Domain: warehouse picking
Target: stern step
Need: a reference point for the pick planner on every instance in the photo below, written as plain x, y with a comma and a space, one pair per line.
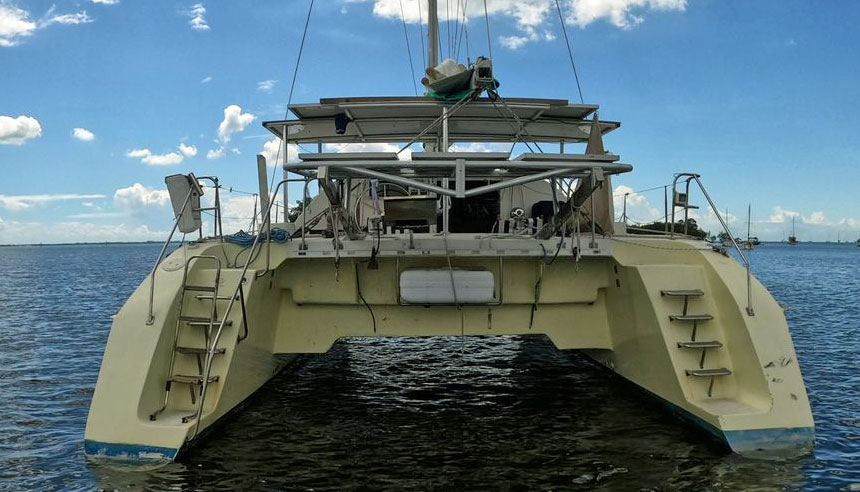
198, 380
682, 293
199, 351
690, 317
201, 321
200, 288
708, 373
700, 345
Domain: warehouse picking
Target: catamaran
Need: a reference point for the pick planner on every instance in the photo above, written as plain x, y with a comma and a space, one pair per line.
430, 241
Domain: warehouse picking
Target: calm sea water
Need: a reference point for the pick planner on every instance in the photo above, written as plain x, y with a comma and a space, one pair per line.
504, 413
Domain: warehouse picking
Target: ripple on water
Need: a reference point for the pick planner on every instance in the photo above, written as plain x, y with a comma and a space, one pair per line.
507, 413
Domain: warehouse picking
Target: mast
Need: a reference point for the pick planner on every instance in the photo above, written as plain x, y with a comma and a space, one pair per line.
749, 219
433, 33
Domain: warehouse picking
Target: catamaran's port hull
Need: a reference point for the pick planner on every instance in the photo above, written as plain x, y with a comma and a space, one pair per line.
609, 303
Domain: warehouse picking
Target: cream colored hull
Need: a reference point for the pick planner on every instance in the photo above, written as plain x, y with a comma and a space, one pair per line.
608, 304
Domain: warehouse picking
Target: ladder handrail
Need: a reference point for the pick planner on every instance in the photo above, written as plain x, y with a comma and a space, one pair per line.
150, 319
745, 260
210, 353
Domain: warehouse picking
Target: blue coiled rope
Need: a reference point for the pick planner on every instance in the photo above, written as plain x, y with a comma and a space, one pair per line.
245, 239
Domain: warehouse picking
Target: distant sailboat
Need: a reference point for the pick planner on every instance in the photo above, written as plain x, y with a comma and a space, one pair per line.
749, 243
792, 240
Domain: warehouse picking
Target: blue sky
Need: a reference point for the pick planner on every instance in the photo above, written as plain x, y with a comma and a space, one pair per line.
759, 97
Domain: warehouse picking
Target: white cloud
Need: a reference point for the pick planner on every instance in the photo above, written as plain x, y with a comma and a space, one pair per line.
620, 13
137, 196
147, 157
849, 223
97, 215
13, 232
480, 147
274, 153
198, 21
513, 42
16, 131
781, 215
816, 218
237, 212
135, 153
67, 19
216, 153
20, 202
188, 150
16, 23
167, 159
83, 134
105, 2
266, 85
528, 15
639, 209
369, 147
234, 121
206, 80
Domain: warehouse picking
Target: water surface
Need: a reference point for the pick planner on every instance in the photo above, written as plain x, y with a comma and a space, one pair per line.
507, 413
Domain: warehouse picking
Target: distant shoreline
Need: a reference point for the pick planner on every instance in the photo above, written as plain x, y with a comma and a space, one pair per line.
103, 243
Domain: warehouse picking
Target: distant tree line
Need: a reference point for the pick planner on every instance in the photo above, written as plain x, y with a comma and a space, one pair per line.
678, 227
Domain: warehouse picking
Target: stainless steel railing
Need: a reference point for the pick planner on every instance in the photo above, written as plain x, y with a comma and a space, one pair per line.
696, 177
150, 318
218, 232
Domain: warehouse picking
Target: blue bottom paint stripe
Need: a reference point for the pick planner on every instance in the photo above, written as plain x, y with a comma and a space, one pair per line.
131, 452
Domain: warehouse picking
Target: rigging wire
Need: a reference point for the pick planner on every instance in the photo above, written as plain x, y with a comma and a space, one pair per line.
642, 191
456, 27
569, 50
290, 100
421, 30
408, 49
463, 28
448, 26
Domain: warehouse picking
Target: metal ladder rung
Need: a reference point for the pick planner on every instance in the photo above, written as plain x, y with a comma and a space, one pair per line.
682, 293
708, 373
199, 288
198, 318
700, 345
209, 297
201, 321
199, 351
690, 317
206, 323
198, 380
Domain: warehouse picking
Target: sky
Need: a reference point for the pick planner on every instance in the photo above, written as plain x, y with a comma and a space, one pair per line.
101, 99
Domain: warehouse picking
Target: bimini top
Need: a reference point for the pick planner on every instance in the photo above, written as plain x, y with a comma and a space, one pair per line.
402, 119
